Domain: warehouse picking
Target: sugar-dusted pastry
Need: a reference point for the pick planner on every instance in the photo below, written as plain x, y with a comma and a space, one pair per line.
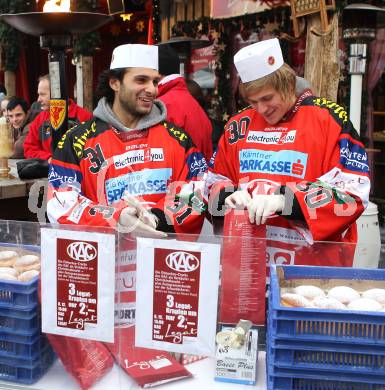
7, 277
343, 294
309, 292
365, 304
27, 275
8, 270
294, 300
27, 263
8, 258
378, 294
328, 303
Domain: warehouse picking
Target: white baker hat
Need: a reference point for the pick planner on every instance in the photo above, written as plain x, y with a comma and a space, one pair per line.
258, 60
135, 56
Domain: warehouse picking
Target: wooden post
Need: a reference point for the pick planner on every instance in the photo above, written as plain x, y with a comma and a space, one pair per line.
321, 58
10, 82
84, 82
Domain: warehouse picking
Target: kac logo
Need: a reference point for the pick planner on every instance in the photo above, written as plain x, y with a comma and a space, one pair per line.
182, 262
81, 251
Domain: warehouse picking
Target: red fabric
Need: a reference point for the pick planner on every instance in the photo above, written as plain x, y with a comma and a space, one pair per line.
22, 89
185, 112
38, 141
146, 366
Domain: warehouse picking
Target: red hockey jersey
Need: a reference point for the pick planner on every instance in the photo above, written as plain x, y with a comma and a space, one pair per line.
94, 164
315, 157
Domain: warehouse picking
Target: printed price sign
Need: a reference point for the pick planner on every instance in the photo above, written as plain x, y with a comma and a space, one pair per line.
77, 276
176, 296
78, 282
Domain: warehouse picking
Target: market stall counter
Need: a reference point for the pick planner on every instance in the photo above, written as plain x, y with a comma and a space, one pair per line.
124, 312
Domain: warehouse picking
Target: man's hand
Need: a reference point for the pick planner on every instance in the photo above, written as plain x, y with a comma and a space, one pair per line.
238, 199
142, 213
263, 206
131, 223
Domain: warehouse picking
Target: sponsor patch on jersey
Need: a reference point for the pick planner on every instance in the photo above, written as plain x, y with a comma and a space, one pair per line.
196, 164
284, 162
271, 138
138, 157
59, 175
212, 159
145, 182
353, 156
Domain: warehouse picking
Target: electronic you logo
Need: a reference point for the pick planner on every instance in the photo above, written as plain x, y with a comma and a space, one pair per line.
271, 137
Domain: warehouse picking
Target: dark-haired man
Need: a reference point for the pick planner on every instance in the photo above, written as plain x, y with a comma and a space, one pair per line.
127, 165
19, 117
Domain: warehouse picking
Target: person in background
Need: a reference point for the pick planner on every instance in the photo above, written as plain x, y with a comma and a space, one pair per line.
38, 141
127, 166
19, 117
3, 106
182, 108
295, 163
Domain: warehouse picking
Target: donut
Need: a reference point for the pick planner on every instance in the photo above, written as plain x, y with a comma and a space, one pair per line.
309, 292
8, 258
343, 294
294, 300
378, 294
27, 275
27, 263
365, 304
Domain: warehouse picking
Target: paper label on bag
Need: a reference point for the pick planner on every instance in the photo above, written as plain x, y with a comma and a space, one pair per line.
77, 275
176, 297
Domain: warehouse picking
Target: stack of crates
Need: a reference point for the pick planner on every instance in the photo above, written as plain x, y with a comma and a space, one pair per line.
25, 354
316, 349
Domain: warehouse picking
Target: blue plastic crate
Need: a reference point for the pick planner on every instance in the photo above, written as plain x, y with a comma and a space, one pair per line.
25, 347
345, 326
22, 322
26, 371
16, 294
293, 383
19, 295
345, 358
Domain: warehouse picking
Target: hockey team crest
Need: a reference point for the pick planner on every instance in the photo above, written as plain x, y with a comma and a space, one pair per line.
57, 112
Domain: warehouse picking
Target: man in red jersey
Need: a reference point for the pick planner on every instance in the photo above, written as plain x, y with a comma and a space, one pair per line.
182, 108
294, 162
39, 139
127, 165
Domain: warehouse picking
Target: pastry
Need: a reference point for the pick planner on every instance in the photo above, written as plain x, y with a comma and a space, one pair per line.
8, 258
309, 292
9, 271
378, 294
343, 294
27, 263
328, 303
294, 300
7, 277
27, 275
365, 304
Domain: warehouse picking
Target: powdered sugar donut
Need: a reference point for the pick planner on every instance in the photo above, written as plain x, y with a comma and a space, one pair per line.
294, 300
328, 303
8, 258
309, 292
27, 263
344, 294
378, 294
365, 304
28, 275
8, 270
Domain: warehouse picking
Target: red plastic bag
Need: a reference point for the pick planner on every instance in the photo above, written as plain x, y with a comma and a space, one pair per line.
147, 367
86, 360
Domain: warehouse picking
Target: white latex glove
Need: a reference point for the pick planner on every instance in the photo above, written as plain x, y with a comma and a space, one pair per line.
141, 212
238, 199
263, 206
131, 223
